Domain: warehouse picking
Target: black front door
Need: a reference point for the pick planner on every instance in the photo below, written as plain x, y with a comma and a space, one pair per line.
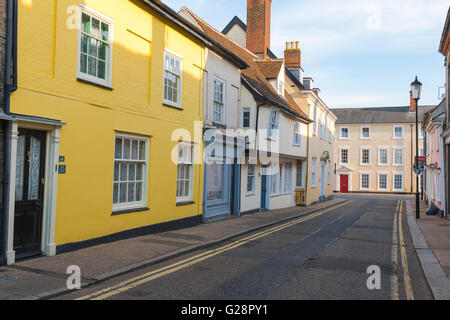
29, 193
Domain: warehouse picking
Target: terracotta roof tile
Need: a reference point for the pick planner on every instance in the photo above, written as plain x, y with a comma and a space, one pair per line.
270, 67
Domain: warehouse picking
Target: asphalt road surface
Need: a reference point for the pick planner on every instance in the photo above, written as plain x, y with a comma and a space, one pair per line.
331, 254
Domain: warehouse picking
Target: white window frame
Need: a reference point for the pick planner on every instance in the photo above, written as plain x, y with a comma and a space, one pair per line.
314, 173
302, 185
361, 157
393, 157
275, 178
348, 133
329, 172
253, 177
340, 156
393, 181
173, 55
190, 196
287, 186
244, 110
315, 126
379, 157
107, 82
223, 102
273, 128
361, 181
421, 131
379, 180
297, 134
362, 130
135, 204
393, 133
280, 88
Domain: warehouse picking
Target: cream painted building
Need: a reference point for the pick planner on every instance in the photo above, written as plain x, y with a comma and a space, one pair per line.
375, 149
321, 132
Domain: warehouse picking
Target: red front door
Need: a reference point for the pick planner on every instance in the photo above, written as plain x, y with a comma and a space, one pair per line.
344, 183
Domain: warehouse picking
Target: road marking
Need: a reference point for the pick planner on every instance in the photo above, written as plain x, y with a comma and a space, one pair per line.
394, 277
407, 279
147, 277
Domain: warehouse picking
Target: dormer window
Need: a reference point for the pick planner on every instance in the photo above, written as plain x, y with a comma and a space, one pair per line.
280, 87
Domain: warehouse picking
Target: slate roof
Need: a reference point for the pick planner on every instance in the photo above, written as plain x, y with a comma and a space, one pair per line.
378, 115
233, 22
439, 110
253, 76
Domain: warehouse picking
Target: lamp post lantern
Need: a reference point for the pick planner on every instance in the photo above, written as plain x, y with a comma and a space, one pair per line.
416, 90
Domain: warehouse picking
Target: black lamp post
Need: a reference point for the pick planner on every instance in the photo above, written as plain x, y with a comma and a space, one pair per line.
416, 90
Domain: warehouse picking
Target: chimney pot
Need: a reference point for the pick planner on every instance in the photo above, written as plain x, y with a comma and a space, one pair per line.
293, 56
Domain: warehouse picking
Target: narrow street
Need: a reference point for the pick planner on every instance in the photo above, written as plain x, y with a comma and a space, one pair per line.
323, 255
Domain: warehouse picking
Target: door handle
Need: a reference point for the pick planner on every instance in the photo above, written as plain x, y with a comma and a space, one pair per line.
43, 181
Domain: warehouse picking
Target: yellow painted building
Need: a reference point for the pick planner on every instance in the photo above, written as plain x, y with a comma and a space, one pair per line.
105, 94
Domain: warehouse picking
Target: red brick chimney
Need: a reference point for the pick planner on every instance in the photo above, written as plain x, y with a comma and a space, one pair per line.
258, 26
293, 55
412, 103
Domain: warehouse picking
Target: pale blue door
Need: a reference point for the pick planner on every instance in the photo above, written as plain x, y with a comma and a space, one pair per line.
217, 197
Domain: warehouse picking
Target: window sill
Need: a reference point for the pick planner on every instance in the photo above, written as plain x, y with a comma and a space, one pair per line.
219, 125
124, 211
171, 105
95, 84
185, 203
280, 194
250, 194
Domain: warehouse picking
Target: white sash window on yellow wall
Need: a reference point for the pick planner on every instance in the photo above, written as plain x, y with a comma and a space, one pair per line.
185, 173
173, 66
130, 172
95, 47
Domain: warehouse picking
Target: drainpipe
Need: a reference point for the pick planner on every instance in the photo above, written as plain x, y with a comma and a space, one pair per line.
9, 87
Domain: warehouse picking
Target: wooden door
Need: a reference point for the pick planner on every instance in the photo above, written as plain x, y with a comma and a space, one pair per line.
344, 183
29, 193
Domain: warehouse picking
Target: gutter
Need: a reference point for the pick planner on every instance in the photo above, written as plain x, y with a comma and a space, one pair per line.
9, 87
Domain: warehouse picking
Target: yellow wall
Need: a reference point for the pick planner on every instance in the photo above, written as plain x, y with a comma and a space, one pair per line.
48, 88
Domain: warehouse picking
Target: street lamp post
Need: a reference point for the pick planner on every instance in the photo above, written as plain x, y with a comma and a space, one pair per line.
416, 90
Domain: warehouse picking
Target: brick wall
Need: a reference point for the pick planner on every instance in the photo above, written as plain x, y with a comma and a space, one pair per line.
293, 55
258, 26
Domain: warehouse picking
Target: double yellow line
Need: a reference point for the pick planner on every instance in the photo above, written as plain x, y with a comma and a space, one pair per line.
397, 235
147, 277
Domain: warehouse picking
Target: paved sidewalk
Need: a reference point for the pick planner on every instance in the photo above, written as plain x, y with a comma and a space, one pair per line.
44, 277
431, 238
